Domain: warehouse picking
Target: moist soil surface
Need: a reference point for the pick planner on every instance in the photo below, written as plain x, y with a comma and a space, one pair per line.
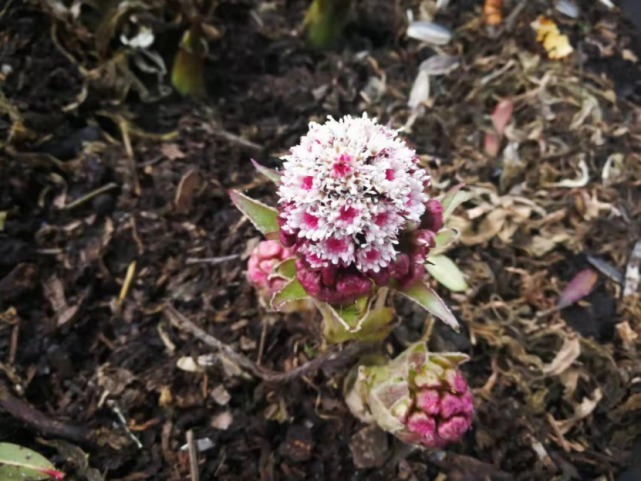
114, 204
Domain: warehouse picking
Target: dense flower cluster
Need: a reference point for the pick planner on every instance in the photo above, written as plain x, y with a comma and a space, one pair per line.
353, 207
420, 397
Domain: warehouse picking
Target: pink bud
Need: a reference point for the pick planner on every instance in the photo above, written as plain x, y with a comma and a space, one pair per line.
267, 255
452, 430
433, 217
432, 416
332, 284
353, 285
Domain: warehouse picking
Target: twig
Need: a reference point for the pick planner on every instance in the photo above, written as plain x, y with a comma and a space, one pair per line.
126, 285
89, 196
29, 415
236, 139
334, 358
193, 456
510, 21
212, 261
121, 418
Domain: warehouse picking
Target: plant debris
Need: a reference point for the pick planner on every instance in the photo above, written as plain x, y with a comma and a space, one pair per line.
113, 206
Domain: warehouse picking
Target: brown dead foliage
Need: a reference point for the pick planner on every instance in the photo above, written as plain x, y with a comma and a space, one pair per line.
113, 202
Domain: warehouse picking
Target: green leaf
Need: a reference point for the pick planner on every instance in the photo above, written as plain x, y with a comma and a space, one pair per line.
271, 174
429, 300
373, 327
293, 291
19, 463
445, 238
262, 216
325, 20
452, 199
285, 269
188, 71
356, 321
445, 271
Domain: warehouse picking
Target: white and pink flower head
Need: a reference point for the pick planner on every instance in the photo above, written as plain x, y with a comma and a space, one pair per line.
354, 209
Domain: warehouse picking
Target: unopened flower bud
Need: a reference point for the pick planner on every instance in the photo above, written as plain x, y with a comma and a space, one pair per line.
433, 218
420, 397
267, 255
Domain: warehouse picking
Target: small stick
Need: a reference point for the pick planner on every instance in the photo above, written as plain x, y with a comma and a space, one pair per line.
13, 346
193, 456
116, 410
212, 261
89, 196
261, 344
30, 416
131, 270
332, 358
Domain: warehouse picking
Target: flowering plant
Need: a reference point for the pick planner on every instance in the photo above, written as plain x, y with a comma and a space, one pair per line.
420, 397
355, 219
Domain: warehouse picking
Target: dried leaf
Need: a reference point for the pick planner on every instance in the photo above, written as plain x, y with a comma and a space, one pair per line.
491, 144
606, 269
569, 352
489, 227
502, 115
632, 276
172, 151
429, 32
582, 411
493, 12
580, 181
439, 64
626, 334
187, 189
420, 92
567, 8
222, 420
580, 286
555, 44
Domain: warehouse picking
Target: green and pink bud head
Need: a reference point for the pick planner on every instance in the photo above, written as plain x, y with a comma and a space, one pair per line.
420, 397
266, 256
353, 207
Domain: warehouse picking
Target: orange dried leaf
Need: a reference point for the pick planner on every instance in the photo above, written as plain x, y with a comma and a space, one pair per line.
493, 12
554, 42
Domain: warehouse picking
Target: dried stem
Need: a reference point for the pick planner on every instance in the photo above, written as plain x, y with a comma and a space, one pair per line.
332, 359
29, 415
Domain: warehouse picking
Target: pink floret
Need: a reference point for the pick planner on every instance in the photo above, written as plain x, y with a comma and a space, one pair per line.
453, 429
267, 255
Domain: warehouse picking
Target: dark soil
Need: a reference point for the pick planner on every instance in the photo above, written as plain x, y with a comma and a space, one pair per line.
73, 350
